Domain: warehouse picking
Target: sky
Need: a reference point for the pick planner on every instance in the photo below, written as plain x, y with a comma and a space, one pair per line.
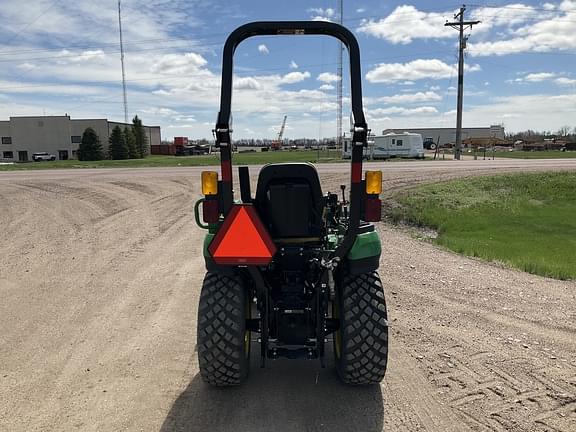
63, 56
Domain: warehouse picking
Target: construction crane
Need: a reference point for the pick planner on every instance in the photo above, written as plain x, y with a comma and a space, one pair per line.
277, 143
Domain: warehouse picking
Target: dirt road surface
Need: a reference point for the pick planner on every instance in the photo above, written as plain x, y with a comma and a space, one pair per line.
100, 273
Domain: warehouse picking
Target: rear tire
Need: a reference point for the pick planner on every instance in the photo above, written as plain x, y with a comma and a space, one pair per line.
223, 342
361, 343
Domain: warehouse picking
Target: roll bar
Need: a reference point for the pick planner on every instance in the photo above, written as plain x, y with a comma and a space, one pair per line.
359, 132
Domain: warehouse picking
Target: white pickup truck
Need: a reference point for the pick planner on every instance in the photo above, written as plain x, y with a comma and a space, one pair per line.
43, 156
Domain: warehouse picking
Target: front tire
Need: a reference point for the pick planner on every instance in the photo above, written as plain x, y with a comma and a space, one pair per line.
223, 342
361, 343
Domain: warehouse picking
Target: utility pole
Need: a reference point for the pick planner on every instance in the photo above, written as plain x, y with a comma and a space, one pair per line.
459, 25
122, 61
339, 87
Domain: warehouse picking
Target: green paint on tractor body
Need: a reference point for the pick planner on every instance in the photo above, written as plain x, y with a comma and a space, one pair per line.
366, 245
207, 240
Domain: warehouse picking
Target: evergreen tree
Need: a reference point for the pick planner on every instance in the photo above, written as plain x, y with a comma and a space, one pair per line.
90, 147
140, 137
133, 152
117, 148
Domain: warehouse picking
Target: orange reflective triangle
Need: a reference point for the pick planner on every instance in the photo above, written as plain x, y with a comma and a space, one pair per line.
242, 239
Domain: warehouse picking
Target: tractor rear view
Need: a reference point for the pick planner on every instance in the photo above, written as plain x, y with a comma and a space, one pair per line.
293, 264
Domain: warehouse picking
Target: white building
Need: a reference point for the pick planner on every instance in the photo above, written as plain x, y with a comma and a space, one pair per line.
57, 135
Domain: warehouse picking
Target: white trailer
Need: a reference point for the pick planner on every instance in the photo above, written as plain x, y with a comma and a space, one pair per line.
407, 145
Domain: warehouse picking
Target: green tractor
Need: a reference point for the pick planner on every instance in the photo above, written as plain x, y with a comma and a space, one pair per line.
292, 264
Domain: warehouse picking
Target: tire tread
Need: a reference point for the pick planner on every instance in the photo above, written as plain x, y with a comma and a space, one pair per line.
364, 330
221, 327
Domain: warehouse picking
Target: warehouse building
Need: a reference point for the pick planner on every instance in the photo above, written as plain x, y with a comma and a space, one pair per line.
57, 135
448, 135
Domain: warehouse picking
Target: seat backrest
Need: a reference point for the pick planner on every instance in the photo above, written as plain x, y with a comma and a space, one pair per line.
289, 200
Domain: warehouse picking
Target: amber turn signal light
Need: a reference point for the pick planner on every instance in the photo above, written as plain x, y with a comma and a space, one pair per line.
373, 182
209, 183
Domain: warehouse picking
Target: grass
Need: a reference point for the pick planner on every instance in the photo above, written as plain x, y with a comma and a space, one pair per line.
534, 154
523, 220
246, 158
251, 158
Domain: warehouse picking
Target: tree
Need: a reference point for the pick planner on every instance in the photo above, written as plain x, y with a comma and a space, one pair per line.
564, 131
140, 137
131, 143
117, 148
90, 148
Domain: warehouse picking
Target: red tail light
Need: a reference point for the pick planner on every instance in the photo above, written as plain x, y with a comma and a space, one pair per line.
210, 212
373, 209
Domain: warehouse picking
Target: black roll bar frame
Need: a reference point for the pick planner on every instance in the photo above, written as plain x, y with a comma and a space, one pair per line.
359, 131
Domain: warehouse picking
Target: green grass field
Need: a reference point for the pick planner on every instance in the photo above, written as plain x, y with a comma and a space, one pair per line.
252, 158
525, 220
246, 158
535, 154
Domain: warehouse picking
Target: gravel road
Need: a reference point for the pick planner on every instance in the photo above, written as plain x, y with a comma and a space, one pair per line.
100, 272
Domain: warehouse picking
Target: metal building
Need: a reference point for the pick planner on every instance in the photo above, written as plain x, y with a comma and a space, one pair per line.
57, 135
448, 135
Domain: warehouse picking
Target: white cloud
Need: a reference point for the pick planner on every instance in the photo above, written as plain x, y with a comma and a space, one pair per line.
544, 76
293, 65
329, 12
403, 111
294, 77
520, 27
84, 56
360, 10
407, 23
160, 111
178, 64
326, 87
553, 31
321, 14
568, 6
321, 18
91, 55
525, 112
509, 15
263, 49
415, 70
247, 83
26, 66
323, 107
411, 97
565, 81
328, 77
538, 77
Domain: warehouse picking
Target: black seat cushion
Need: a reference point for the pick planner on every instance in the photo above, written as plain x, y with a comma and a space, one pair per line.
289, 200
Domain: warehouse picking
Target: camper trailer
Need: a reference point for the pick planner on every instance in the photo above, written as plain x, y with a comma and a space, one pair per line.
406, 145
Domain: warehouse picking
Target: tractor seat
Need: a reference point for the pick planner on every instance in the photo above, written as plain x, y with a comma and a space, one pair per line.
289, 202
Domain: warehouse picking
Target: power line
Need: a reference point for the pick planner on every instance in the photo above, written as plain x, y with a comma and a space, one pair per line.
516, 7
220, 41
205, 42
27, 26
460, 25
